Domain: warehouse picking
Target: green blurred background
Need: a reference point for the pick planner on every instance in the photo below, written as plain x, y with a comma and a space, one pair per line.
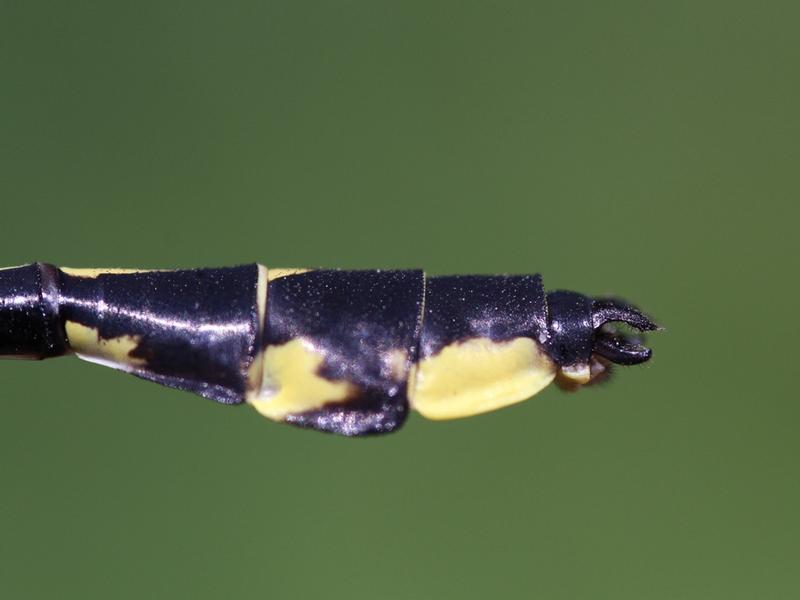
644, 149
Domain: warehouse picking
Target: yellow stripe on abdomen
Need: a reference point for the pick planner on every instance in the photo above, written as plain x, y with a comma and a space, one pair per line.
94, 273
278, 272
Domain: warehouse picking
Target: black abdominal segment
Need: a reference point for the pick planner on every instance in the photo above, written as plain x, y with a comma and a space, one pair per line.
29, 321
194, 330
359, 321
496, 307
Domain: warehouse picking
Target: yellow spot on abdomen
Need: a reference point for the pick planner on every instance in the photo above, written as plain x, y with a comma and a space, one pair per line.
477, 376
292, 383
113, 352
396, 364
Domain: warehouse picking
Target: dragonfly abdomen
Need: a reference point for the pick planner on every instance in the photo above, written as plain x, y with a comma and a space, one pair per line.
348, 352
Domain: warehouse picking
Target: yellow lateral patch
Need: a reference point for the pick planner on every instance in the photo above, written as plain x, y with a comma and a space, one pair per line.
395, 365
114, 352
292, 384
277, 273
479, 375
